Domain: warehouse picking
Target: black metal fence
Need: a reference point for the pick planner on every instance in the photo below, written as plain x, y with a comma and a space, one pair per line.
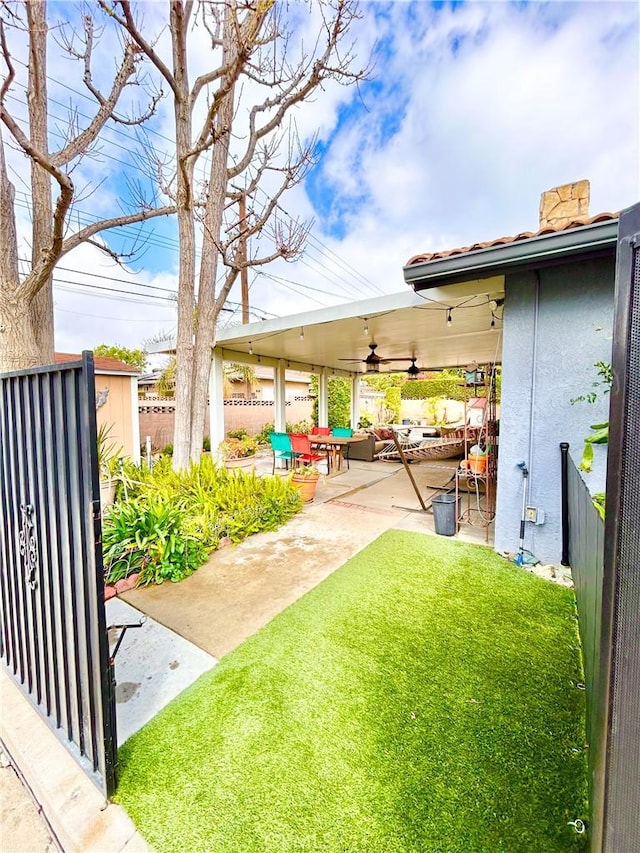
617, 796
53, 637
605, 561
586, 557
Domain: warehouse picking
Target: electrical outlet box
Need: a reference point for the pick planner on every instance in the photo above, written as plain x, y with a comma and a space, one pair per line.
534, 514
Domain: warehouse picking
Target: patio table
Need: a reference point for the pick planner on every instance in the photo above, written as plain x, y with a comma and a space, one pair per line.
334, 446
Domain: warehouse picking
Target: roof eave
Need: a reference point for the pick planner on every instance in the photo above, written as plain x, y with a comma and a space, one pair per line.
557, 248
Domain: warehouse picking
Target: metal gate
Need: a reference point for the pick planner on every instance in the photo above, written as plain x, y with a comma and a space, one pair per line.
53, 636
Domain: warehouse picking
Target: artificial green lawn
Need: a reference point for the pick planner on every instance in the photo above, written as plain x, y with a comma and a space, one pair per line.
422, 698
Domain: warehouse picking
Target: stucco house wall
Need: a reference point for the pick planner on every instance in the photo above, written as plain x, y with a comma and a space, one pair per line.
555, 328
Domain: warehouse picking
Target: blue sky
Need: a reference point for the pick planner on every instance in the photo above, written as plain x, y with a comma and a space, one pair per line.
471, 111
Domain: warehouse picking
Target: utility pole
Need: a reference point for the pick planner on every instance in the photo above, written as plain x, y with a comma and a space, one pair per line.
244, 282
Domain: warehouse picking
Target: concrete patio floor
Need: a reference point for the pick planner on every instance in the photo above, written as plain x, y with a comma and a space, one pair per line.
243, 587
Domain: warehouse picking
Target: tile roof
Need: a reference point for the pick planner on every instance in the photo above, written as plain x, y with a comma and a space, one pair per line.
500, 241
101, 363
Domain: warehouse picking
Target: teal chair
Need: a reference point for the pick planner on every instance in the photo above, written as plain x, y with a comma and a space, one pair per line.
281, 447
343, 432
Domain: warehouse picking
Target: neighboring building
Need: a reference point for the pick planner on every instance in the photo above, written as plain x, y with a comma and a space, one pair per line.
117, 396
247, 405
296, 385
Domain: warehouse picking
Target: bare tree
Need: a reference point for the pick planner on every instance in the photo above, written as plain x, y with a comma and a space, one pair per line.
26, 303
248, 138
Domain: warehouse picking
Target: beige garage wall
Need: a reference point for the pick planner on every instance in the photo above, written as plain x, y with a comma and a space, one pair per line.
117, 411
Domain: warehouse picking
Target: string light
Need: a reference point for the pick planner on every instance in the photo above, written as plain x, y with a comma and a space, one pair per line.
301, 333
250, 349
365, 331
493, 320
449, 318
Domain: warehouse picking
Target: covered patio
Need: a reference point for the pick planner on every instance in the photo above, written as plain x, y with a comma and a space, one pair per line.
447, 327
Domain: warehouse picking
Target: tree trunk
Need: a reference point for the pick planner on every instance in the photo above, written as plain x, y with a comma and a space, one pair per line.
186, 230
42, 209
19, 348
216, 198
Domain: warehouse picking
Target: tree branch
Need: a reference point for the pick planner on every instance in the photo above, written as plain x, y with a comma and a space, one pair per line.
115, 222
104, 102
127, 22
80, 143
7, 58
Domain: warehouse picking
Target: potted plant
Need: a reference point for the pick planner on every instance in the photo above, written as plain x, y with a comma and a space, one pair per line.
305, 479
238, 452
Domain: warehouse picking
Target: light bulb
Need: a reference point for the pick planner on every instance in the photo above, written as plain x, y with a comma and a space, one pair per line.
302, 334
250, 349
365, 331
449, 317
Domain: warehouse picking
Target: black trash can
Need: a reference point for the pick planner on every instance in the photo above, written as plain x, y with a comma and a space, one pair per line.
445, 511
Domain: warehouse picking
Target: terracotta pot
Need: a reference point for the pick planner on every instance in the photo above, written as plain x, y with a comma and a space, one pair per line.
244, 463
306, 486
477, 464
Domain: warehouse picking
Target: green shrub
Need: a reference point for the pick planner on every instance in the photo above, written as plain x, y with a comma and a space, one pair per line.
167, 450
448, 384
206, 444
339, 400
237, 433
302, 426
164, 523
147, 537
263, 436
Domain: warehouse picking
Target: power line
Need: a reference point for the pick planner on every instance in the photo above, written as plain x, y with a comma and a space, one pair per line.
279, 279
171, 244
102, 317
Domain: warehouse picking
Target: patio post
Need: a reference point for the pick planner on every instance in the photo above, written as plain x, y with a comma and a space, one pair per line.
323, 398
216, 400
279, 397
355, 400
279, 403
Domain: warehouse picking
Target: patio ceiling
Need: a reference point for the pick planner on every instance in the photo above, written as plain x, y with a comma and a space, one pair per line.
402, 325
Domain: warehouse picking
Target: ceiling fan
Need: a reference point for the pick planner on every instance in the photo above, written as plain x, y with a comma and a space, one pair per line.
373, 360
413, 371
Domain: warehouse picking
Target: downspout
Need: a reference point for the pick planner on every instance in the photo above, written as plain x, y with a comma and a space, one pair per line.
532, 392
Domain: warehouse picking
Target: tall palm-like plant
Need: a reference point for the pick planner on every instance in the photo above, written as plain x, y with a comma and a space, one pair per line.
234, 372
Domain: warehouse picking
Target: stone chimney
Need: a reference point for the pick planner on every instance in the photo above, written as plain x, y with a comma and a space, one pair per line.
564, 204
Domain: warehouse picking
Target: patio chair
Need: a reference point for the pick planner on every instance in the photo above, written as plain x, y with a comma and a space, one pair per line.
281, 447
301, 446
343, 432
318, 430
